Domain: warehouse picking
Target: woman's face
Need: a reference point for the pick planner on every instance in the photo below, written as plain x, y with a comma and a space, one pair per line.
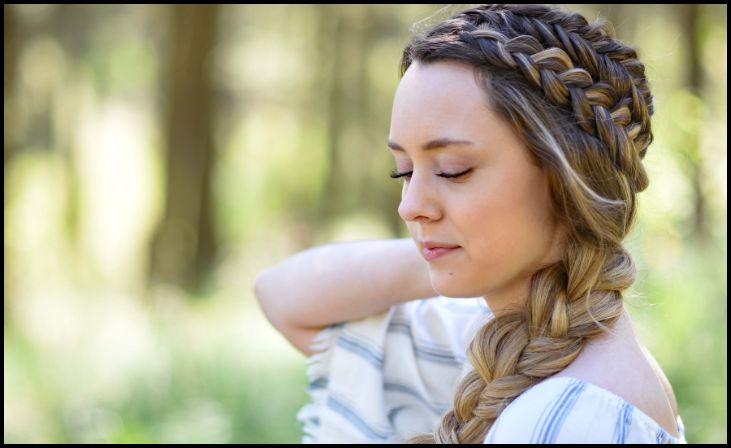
498, 212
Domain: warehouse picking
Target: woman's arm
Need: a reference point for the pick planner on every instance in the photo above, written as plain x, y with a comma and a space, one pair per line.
340, 282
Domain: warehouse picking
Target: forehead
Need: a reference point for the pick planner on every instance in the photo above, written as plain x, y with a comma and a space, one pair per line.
437, 98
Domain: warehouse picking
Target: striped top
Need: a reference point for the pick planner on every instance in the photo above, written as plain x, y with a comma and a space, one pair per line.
385, 378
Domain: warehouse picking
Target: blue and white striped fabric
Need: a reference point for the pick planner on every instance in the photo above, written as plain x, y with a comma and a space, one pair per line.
570, 410
388, 377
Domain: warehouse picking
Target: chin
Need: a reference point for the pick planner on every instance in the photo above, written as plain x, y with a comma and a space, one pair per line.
451, 285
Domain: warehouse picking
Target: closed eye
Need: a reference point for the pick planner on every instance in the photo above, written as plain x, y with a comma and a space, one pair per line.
395, 174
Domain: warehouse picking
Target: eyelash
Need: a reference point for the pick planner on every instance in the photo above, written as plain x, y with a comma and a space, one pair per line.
395, 174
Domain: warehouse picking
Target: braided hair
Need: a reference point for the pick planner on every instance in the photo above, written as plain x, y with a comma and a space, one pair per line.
580, 101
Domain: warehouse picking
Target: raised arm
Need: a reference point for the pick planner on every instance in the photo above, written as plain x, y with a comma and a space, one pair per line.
339, 282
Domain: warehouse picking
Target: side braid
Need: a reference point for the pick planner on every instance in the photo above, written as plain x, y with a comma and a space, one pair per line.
580, 101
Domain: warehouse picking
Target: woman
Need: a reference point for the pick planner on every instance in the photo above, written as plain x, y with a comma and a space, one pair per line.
519, 132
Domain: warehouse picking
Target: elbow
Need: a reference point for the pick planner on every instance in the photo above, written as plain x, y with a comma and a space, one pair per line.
260, 286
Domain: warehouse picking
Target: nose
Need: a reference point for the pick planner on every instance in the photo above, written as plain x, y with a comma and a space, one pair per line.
418, 201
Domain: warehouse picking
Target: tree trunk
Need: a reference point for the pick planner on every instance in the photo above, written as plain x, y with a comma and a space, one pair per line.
10, 60
689, 17
329, 42
10, 48
183, 249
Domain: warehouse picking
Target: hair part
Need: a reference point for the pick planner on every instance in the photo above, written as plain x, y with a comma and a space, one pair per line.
580, 102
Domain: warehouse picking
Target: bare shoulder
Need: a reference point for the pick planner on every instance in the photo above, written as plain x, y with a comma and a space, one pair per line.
623, 366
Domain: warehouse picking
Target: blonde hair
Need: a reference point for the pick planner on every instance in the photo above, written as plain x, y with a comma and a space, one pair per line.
580, 101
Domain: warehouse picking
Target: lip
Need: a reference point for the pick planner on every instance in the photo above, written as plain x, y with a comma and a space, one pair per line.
432, 250
433, 244
433, 254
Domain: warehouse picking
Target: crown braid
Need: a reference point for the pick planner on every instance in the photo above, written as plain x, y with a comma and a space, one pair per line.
580, 100
576, 65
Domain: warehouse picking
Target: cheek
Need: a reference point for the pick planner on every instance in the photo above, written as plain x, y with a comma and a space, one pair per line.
505, 230
491, 229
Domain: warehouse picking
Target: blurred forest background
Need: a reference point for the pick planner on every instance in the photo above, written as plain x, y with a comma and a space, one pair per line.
156, 157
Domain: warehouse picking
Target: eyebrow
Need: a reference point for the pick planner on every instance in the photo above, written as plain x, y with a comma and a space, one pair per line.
434, 144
